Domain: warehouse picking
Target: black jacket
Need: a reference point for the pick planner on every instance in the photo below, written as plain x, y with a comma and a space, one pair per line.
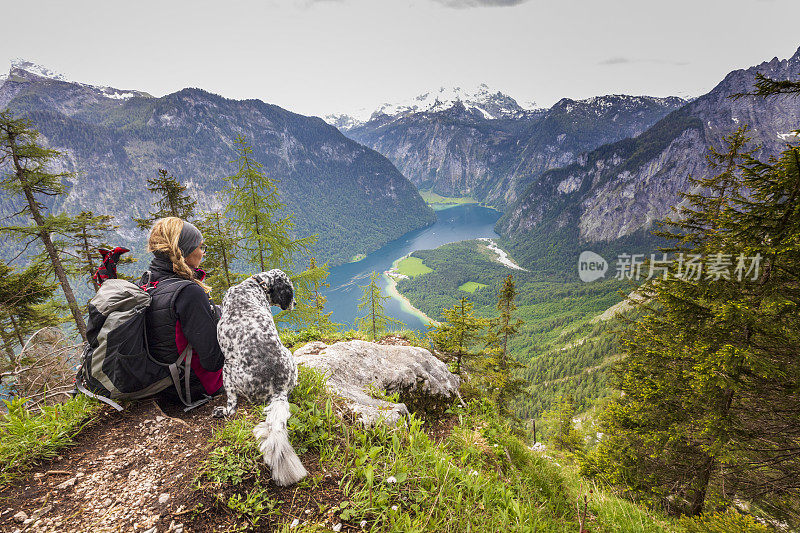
177, 301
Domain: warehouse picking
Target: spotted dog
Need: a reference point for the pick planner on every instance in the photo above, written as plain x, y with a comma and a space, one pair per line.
259, 368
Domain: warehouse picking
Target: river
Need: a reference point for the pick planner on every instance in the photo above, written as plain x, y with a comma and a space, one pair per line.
463, 222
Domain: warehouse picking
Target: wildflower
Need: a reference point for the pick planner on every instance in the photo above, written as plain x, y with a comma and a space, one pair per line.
295, 523
394, 507
391, 479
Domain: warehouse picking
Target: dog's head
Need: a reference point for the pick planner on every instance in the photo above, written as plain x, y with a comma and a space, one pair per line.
277, 287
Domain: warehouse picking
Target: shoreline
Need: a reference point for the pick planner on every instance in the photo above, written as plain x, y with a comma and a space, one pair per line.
391, 289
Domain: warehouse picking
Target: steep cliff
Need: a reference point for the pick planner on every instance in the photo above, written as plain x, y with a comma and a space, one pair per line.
490, 148
618, 190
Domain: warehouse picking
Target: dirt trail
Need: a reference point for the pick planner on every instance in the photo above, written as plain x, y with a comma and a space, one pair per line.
134, 471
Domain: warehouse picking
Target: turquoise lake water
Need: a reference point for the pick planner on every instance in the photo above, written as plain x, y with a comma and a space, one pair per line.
464, 222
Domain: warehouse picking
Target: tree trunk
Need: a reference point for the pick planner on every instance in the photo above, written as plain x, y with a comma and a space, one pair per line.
48, 244
17, 332
696, 505
224, 256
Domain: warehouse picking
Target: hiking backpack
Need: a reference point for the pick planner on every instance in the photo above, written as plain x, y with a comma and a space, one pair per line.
116, 363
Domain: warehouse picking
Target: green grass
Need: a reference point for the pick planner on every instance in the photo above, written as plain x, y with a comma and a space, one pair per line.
438, 201
471, 286
481, 477
26, 438
412, 266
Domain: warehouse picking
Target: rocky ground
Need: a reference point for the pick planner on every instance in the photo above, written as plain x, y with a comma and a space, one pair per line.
136, 471
139, 470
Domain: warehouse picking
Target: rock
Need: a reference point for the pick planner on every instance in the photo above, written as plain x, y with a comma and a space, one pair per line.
354, 367
39, 512
163, 498
312, 348
68, 483
20, 517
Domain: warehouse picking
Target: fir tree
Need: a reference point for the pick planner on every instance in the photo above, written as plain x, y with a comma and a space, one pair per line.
375, 320
171, 200
766, 86
85, 236
310, 308
458, 335
255, 210
500, 367
318, 317
560, 421
710, 376
222, 247
26, 305
29, 178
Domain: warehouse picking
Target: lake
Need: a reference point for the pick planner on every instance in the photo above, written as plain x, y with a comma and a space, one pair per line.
464, 222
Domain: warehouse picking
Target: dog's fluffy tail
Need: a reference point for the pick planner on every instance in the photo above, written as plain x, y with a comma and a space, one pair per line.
272, 439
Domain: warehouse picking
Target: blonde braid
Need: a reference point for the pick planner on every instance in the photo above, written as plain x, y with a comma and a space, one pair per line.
164, 238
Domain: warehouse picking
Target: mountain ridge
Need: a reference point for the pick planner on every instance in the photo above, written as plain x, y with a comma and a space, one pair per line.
618, 190
457, 151
328, 181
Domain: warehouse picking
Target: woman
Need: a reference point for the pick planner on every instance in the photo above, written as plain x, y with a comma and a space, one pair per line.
181, 313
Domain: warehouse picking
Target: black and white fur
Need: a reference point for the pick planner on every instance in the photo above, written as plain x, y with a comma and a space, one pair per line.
259, 368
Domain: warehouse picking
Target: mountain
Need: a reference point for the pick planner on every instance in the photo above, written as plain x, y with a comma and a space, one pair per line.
485, 145
482, 100
351, 196
615, 192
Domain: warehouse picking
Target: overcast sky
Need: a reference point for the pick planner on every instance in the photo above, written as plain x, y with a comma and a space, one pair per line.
321, 56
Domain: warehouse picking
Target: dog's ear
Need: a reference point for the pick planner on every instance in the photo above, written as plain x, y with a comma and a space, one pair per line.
281, 292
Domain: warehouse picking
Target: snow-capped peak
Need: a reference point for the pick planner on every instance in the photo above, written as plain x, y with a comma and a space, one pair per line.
487, 103
37, 70
491, 104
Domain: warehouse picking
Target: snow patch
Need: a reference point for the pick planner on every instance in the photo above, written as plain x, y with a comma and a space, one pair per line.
116, 94
44, 72
489, 103
37, 70
791, 136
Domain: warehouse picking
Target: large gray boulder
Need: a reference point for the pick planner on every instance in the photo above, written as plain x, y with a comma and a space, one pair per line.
356, 369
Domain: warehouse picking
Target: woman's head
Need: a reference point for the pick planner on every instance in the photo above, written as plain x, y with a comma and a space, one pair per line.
181, 242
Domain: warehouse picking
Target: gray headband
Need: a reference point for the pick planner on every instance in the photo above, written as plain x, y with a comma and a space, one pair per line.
189, 239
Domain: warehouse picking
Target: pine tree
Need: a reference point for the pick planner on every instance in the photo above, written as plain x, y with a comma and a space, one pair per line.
29, 178
309, 311
710, 402
85, 236
26, 305
375, 321
222, 247
255, 210
560, 421
171, 200
459, 333
318, 318
501, 369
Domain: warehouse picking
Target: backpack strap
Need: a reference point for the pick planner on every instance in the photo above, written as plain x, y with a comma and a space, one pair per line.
103, 399
174, 372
